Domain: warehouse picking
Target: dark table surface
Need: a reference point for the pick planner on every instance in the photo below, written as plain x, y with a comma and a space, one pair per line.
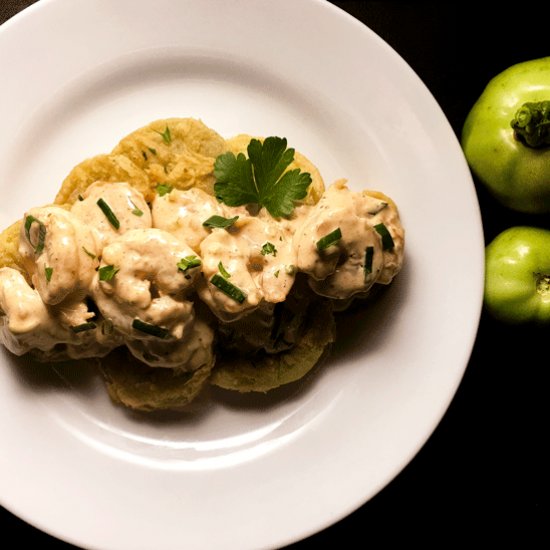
480, 476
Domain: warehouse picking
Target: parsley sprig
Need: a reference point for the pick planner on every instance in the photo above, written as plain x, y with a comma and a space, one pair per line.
261, 178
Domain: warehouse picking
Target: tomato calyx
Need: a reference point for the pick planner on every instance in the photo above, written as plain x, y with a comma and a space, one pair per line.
531, 124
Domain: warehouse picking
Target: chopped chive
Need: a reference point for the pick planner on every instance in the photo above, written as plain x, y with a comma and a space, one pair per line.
188, 263
107, 272
369, 254
152, 150
49, 272
328, 240
228, 288
147, 328
91, 254
39, 247
387, 241
276, 273
109, 214
163, 189
219, 222
223, 271
269, 248
84, 326
166, 136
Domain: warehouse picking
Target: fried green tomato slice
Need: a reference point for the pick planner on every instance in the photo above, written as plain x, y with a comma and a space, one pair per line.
139, 387
174, 152
265, 372
9, 248
107, 168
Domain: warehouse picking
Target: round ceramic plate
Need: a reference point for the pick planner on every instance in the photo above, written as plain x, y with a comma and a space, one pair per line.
237, 471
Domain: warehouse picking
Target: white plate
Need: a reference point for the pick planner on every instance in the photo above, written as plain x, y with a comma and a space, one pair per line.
77, 75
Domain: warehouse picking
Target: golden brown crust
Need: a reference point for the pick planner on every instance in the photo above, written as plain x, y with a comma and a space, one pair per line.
107, 168
9, 248
139, 387
179, 152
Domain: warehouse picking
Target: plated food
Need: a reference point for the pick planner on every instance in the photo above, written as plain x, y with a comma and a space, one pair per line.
183, 259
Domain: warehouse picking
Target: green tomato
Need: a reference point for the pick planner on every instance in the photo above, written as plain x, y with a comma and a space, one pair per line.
506, 137
517, 275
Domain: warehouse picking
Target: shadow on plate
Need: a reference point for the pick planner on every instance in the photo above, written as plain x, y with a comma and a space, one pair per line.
67, 375
362, 329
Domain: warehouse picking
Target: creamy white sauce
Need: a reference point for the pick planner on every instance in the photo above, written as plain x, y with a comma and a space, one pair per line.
148, 284
145, 272
28, 324
356, 259
126, 204
254, 255
183, 213
59, 252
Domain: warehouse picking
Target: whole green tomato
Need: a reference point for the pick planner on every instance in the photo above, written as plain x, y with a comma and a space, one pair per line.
506, 137
517, 275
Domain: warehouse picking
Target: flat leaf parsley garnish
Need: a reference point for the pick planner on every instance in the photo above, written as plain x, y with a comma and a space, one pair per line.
261, 178
269, 248
163, 189
107, 272
219, 222
166, 137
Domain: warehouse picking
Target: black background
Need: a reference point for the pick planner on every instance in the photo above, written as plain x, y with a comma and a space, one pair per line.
480, 477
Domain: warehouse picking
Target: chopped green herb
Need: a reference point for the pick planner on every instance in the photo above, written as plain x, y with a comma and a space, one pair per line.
269, 248
228, 288
107, 272
39, 246
188, 263
80, 197
84, 326
144, 155
166, 136
135, 210
387, 240
219, 222
369, 254
261, 178
290, 269
152, 150
223, 271
49, 272
163, 189
91, 254
109, 214
147, 328
276, 273
328, 240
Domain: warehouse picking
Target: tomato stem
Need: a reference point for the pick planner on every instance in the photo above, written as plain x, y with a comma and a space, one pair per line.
531, 124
